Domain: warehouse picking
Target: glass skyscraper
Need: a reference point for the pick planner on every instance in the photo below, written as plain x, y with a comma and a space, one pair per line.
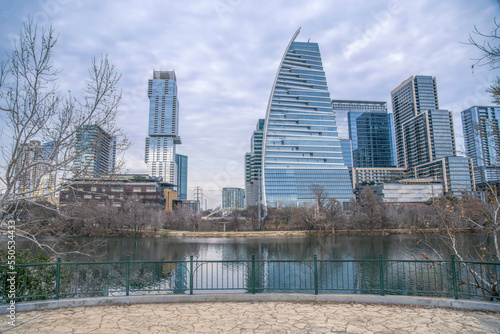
96, 151
253, 166
369, 127
163, 126
481, 127
415, 95
425, 137
301, 147
182, 171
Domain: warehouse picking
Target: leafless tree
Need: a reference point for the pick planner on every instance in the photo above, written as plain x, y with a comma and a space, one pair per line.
33, 108
489, 46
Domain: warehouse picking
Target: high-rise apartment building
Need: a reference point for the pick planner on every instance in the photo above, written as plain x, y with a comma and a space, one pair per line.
96, 152
409, 99
481, 128
301, 147
182, 176
425, 137
233, 198
163, 126
37, 174
253, 166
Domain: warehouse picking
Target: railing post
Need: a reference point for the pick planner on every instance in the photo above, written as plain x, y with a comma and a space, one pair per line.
252, 277
316, 283
191, 275
58, 277
454, 277
127, 276
381, 268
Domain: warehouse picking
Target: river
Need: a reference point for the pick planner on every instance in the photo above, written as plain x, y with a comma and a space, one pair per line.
404, 247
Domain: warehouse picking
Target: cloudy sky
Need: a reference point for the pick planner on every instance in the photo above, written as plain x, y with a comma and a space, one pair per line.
226, 53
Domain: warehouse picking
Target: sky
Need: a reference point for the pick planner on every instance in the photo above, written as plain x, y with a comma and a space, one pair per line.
226, 54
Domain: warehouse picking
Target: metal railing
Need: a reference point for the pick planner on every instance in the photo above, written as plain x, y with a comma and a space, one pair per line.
449, 279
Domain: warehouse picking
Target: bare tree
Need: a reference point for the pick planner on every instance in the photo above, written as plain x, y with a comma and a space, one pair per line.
35, 110
489, 46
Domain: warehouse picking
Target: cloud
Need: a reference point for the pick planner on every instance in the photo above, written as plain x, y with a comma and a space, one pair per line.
226, 54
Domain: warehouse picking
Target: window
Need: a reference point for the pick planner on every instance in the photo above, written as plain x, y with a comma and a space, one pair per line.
117, 190
137, 189
87, 196
93, 189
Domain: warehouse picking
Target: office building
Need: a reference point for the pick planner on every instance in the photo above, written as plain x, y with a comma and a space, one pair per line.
374, 148
346, 145
253, 166
96, 152
233, 198
481, 128
182, 177
163, 126
353, 109
372, 140
36, 170
301, 147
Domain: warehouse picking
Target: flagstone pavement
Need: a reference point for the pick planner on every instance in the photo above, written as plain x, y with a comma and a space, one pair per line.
253, 317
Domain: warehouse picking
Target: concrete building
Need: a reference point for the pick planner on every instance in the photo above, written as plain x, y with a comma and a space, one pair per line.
233, 198
115, 191
408, 191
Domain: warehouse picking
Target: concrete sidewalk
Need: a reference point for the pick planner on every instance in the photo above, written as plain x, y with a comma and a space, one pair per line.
254, 317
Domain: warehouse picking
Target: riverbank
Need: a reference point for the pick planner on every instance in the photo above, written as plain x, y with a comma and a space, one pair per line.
291, 234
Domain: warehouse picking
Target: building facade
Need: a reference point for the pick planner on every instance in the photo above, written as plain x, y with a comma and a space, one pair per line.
374, 147
96, 152
115, 191
182, 176
425, 137
346, 145
253, 166
301, 147
408, 191
163, 126
481, 128
233, 198
415, 95
36, 170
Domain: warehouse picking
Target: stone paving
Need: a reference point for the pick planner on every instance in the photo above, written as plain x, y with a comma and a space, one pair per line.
254, 317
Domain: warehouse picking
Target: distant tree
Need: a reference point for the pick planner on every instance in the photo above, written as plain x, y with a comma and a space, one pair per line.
34, 108
368, 213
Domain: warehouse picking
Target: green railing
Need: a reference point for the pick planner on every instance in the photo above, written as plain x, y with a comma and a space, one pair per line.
449, 279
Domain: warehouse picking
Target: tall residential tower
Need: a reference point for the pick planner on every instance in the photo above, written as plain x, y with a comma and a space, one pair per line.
163, 126
481, 126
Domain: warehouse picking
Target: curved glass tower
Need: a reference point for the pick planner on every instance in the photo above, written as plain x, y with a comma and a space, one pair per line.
301, 144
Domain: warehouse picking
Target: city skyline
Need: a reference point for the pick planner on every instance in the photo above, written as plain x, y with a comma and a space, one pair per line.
225, 54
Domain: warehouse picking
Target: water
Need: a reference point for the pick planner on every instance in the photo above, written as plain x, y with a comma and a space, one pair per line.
404, 247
